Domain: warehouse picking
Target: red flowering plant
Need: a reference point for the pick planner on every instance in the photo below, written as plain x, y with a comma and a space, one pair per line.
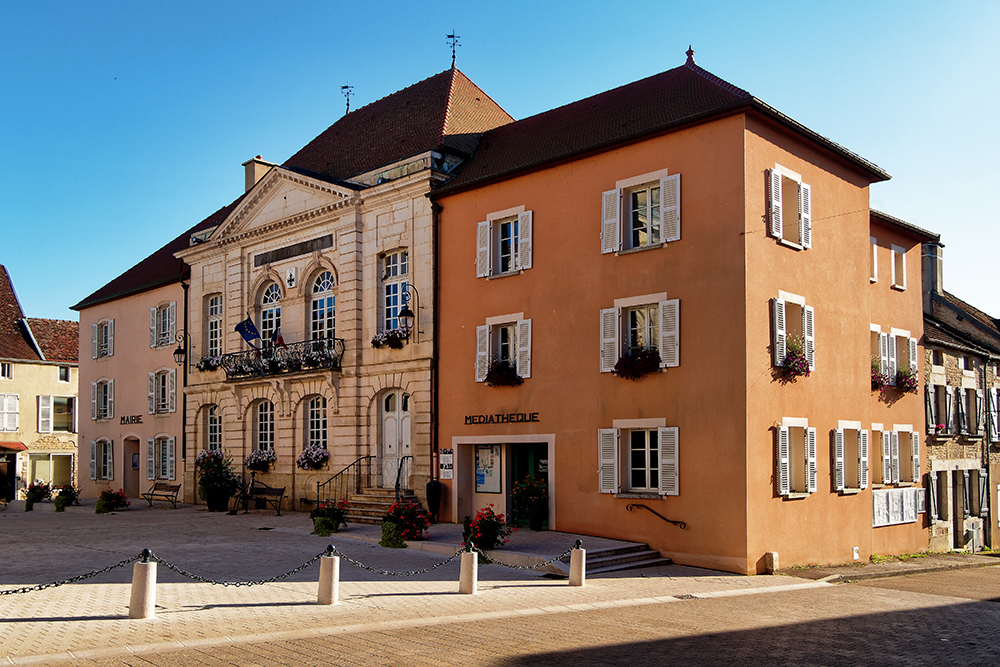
109, 501
329, 517
487, 530
879, 379
796, 363
906, 381
411, 519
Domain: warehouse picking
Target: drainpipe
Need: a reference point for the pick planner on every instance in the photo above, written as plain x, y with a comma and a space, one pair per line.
988, 527
184, 378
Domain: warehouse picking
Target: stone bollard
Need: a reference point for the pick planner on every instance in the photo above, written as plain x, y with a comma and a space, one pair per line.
578, 567
468, 582
329, 580
142, 603
771, 562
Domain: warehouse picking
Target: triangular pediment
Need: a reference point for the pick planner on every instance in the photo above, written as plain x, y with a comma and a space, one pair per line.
282, 196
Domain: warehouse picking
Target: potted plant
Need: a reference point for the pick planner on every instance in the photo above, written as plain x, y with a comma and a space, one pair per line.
879, 379
906, 381
410, 518
487, 530
313, 457
637, 362
531, 497
260, 460
217, 481
502, 373
391, 338
209, 363
329, 517
796, 363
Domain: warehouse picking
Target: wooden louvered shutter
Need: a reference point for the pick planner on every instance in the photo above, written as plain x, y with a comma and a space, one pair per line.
482, 352
524, 244
838, 459
784, 471
993, 395
892, 359
93, 400
607, 442
610, 221
670, 207
811, 458
150, 458
111, 399
949, 412
912, 349
172, 389
778, 309
886, 457
111, 337
883, 351
805, 215
963, 421
93, 341
809, 336
171, 321
152, 327
482, 249
984, 493
932, 492
524, 348
894, 455
980, 409
110, 448
93, 460
670, 346
915, 456
669, 470
863, 456
151, 393
44, 414
930, 409
609, 339
171, 458
775, 226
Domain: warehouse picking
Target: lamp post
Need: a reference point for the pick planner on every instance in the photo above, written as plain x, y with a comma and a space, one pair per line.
180, 354
407, 318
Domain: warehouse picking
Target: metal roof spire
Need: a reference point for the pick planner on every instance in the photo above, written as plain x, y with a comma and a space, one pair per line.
453, 41
690, 55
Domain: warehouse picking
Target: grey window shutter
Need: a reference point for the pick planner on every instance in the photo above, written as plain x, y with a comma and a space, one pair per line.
482, 352
993, 394
171, 458
963, 424
784, 471
932, 493
93, 460
966, 492
929, 409
172, 389
93, 341
949, 412
524, 239
670, 207
915, 456
894, 445
111, 399
152, 327
44, 414
609, 339
670, 346
172, 320
980, 416
150, 459
805, 215
93, 400
524, 348
838, 459
151, 393
111, 338
111, 460
775, 226
610, 221
887, 457
984, 493
669, 446
482, 249
607, 441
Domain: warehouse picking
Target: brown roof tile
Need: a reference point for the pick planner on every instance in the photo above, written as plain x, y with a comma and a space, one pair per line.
59, 339
14, 340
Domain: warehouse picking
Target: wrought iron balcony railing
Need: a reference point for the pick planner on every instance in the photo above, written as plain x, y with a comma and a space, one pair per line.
308, 355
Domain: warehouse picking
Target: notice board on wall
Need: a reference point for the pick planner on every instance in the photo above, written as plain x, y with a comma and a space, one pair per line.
488, 469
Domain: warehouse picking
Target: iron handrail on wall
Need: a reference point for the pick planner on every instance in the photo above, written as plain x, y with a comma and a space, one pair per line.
278, 359
399, 473
679, 524
355, 478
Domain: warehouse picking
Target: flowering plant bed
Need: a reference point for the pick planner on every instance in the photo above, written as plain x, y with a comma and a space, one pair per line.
36, 493
391, 338
502, 373
530, 493
260, 460
313, 457
410, 518
879, 379
329, 517
110, 501
487, 530
637, 362
796, 364
209, 363
906, 381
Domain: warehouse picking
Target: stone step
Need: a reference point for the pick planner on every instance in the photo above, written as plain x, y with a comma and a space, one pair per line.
627, 557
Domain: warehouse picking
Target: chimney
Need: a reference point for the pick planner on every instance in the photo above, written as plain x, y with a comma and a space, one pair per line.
932, 269
255, 170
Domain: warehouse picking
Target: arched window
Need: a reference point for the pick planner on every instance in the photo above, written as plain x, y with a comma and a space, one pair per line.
324, 315
264, 426
270, 312
213, 428
316, 422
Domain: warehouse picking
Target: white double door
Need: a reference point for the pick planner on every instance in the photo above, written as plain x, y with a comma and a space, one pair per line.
394, 442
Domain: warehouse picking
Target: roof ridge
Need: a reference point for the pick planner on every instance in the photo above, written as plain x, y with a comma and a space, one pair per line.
412, 85
722, 83
443, 129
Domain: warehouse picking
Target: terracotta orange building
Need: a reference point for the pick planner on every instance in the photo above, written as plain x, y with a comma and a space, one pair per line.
681, 232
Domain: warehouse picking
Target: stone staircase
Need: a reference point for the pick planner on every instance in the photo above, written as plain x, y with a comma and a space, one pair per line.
627, 557
372, 504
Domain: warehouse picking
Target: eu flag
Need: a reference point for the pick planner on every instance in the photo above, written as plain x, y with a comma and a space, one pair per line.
249, 332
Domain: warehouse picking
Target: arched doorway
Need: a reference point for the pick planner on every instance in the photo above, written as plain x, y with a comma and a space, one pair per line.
394, 443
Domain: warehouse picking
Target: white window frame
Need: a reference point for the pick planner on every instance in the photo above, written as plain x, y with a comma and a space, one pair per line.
905, 454
102, 339
213, 428
788, 460
323, 306
163, 324
779, 329
898, 277
393, 287
316, 422
263, 430
489, 242
270, 312
993, 395
488, 340
102, 465
844, 466
613, 330
213, 326
614, 462
6, 370
777, 218
102, 399
161, 457
873, 273
9, 412
616, 225
162, 391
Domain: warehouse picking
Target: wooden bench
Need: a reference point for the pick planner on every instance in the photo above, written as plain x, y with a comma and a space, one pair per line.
270, 495
162, 491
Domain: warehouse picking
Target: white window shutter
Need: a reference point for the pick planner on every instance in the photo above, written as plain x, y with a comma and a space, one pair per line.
111, 459
524, 245
805, 215
111, 338
151, 393
784, 471
13, 412
93, 341
950, 413
670, 207
172, 320
930, 409
524, 348
984, 493
778, 308
609, 339
171, 458
150, 459
809, 335
838, 459
932, 493
152, 327
111, 399
611, 221
894, 451
93, 400
915, 456
775, 227
482, 249
607, 442
912, 348
811, 458
482, 352
886, 457
892, 359
172, 389
963, 422
883, 351
980, 417
863, 458
670, 329
45, 414
920, 495
93, 460
669, 482
993, 395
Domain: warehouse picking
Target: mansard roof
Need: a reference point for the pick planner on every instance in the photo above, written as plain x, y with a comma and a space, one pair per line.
678, 97
444, 112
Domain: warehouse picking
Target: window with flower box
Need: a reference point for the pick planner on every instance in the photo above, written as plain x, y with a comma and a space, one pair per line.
504, 340
161, 457
850, 456
792, 331
162, 324
789, 208
393, 287
213, 326
639, 456
641, 212
796, 457
504, 243
644, 323
897, 355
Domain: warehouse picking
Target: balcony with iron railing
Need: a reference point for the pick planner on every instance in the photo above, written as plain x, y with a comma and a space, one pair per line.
306, 356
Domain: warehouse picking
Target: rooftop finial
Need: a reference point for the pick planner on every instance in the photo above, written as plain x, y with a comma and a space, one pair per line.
453, 41
690, 55
346, 90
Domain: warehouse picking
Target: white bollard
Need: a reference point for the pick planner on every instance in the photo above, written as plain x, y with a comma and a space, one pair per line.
329, 580
468, 582
577, 567
142, 604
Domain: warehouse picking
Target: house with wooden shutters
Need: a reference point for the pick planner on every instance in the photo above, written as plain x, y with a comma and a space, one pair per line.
654, 299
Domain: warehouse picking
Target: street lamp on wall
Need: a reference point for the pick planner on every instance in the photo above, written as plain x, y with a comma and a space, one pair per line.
407, 317
180, 354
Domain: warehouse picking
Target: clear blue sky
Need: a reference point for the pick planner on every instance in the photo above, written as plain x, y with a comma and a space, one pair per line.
124, 123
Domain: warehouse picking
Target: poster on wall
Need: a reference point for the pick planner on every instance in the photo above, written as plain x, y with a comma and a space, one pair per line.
487, 468
446, 464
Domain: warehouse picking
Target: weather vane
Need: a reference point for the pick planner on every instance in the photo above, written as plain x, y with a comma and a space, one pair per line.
453, 41
346, 90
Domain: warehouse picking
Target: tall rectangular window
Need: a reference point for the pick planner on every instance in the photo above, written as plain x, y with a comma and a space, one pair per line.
644, 215
214, 346
6, 371
265, 425
644, 463
394, 286
317, 422
213, 429
8, 412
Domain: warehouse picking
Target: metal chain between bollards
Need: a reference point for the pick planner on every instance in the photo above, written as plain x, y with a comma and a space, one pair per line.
578, 545
72, 580
184, 573
390, 573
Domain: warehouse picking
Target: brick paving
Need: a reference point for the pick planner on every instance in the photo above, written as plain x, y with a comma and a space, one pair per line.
518, 618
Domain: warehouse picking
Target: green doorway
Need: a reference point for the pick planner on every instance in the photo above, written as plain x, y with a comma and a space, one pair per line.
528, 460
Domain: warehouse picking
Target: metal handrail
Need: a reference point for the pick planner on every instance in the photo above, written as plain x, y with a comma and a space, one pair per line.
679, 524
290, 358
399, 473
353, 479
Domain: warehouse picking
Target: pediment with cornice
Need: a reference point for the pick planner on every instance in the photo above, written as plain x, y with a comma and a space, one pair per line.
285, 197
